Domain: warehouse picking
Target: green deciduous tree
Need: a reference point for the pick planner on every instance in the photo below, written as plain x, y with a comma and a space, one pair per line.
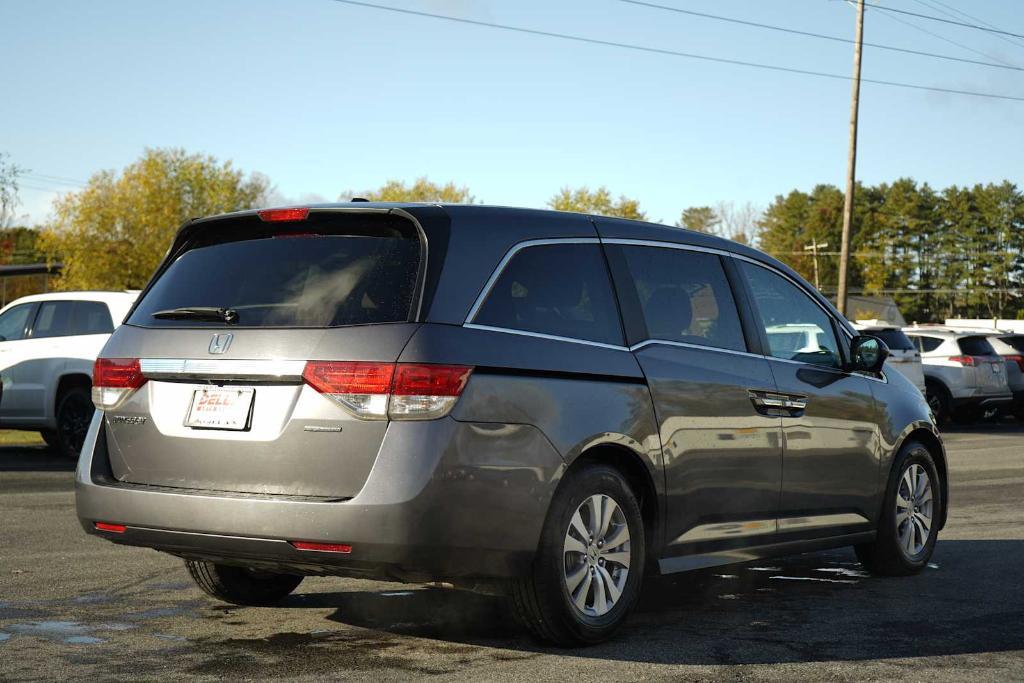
599, 201
114, 232
422, 190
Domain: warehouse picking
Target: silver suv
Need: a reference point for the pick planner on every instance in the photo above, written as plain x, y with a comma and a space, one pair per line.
904, 356
545, 404
964, 376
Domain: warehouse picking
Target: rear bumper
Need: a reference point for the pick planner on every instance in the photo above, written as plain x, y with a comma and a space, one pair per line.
992, 401
445, 500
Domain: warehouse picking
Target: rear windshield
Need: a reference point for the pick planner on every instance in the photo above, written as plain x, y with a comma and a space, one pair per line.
894, 339
1016, 341
291, 280
976, 346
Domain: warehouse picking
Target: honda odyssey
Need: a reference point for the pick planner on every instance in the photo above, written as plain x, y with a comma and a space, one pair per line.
546, 405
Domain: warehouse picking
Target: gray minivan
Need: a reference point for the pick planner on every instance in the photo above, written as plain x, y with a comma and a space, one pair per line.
549, 405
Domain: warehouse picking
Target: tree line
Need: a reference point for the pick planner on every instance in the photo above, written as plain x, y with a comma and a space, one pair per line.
937, 253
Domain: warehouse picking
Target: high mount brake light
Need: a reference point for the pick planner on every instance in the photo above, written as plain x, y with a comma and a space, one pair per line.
114, 380
401, 391
283, 215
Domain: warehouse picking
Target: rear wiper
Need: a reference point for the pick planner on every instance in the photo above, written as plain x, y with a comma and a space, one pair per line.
227, 315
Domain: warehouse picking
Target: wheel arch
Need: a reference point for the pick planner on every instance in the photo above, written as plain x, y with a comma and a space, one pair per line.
929, 438
637, 472
68, 381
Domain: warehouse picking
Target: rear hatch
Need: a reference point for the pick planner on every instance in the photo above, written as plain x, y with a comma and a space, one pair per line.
225, 366
989, 367
1014, 361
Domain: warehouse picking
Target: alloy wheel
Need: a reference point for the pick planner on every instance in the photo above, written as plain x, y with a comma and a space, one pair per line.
914, 510
596, 555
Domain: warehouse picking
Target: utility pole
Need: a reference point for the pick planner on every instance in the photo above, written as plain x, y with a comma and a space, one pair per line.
813, 247
851, 164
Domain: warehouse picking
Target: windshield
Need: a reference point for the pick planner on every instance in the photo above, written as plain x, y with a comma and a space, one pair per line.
289, 281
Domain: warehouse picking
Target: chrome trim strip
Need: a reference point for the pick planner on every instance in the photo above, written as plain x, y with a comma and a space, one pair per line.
821, 521
515, 249
538, 335
720, 531
686, 345
180, 368
666, 245
723, 530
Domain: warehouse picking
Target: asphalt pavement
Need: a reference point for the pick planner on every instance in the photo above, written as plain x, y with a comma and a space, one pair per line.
77, 607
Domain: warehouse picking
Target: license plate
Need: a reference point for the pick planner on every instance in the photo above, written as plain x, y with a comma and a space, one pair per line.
221, 408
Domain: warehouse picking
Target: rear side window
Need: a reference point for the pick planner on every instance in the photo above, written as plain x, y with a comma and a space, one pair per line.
90, 317
894, 339
927, 344
685, 297
53, 320
1016, 342
291, 280
557, 289
976, 346
13, 321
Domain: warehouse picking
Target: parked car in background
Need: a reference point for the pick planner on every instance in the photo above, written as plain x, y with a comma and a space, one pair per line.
1011, 347
48, 343
904, 356
545, 404
964, 376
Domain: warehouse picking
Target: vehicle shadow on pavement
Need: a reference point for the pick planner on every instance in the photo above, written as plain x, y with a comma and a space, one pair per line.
809, 608
19, 458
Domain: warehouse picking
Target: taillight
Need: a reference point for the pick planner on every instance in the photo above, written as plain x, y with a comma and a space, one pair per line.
963, 360
114, 380
1019, 360
401, 391
322, 547
283, 215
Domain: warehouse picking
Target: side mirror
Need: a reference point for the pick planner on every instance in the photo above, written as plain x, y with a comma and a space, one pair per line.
867, 353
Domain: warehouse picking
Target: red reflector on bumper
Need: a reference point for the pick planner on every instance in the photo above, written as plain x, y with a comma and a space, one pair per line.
112, 528
322, 547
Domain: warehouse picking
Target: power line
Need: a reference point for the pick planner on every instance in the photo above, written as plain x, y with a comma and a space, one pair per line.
944, 21
965, 15
57, 180
945, 40
674, 53
822, 36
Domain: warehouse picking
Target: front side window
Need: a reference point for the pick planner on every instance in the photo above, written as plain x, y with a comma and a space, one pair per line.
685, 297
53, 320
556, 289
797, 328
12, 322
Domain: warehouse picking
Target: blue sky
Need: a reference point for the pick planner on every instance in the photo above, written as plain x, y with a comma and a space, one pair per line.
323, 97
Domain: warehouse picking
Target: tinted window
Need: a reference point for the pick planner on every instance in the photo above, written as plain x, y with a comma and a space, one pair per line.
894, 339
976, 346
53, 320
91, 317
1016, 341
685, 297
12, 323
928, 343
557, 289
797, 327
291, 281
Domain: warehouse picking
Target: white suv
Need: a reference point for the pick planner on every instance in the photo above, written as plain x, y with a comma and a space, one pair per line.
964, 376
48, 344
904, 356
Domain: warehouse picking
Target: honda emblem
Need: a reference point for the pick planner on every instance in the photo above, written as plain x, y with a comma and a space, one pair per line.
221, 342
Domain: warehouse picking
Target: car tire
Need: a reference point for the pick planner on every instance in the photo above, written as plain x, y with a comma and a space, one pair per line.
74, 413
573, 560
897, 549
50, 437
939, 401
240, 585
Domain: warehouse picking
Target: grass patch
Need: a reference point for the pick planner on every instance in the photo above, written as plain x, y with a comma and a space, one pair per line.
14, 437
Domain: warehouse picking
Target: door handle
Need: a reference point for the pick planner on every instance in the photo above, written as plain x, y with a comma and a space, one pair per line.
766, 402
